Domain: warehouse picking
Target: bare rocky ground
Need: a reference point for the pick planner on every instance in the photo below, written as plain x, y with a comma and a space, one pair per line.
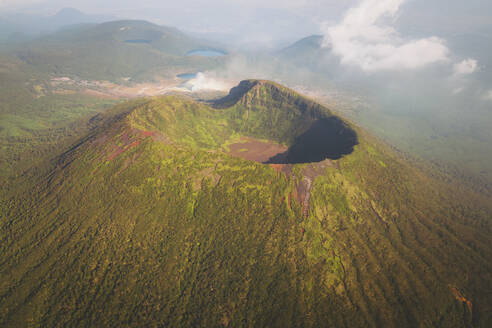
252, 149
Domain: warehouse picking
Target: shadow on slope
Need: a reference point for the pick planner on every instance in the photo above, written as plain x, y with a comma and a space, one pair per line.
235, 94
327, 138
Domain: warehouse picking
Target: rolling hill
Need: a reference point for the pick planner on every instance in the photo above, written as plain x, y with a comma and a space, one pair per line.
305, 46
123, 52
155, 218
113, 51
310, 53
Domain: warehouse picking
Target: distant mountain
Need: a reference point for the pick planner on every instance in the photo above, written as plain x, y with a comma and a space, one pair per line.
71, 16
9, 31
310, 53
157, 218
113, 50
304, 46
21, 27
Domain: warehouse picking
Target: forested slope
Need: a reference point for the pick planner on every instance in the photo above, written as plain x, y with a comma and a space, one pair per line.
149, 221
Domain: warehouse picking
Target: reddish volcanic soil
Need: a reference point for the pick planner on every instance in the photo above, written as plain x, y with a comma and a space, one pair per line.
255, 150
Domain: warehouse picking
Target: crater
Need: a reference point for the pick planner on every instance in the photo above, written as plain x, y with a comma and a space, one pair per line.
327, 138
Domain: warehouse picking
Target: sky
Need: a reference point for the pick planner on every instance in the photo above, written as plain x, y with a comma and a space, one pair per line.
272, 22
261, 20
366, 37
244, 21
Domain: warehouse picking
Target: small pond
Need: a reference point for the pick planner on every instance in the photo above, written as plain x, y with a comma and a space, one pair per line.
139, 41
206, 53
187, 76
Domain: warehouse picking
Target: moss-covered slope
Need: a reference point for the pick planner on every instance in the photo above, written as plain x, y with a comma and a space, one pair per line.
148, 221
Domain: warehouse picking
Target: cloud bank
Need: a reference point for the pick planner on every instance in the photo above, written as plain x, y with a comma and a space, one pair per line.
466, 67
205, 81
487, 95
366, 39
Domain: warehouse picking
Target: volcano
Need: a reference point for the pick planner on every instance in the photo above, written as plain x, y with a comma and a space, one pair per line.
158, 218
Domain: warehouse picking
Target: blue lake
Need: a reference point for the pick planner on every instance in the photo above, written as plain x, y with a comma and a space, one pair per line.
206, 53
138, 41
187, 76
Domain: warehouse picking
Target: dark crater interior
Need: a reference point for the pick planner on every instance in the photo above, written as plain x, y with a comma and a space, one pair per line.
327, 138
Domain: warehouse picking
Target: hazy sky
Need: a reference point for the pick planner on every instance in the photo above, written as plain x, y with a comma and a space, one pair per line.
249, 20
367, 38
268, 21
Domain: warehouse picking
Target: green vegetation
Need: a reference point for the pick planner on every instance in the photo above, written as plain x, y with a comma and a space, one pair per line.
41, 126
37, 120
147, 221
461, 148
106, 52
271, 111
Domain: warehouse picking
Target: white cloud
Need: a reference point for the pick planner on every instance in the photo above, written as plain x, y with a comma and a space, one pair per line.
466, 67
487, 95
204, 82
458, 90
366, 39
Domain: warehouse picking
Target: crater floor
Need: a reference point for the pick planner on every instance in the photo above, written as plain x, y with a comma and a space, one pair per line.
325, 139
